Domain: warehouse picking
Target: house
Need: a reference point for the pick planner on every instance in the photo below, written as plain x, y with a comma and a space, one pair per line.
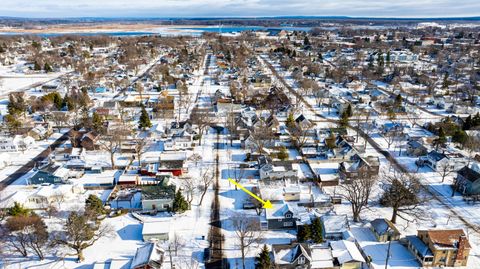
128, 179
440, 247
384, 230
359, 167
16, 143
334, 227
40, 132
149, 256
439, 160
282, 216
415, 148
156, 231
346, 255
50, 174
468, 180
172, 162
303, 122
89, 140
392, 128
275, 171
158, 197
44, 196
302, 255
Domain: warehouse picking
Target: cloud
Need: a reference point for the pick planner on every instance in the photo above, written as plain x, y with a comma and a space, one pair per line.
198, 8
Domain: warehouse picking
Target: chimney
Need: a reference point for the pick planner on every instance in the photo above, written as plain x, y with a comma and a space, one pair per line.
462, 243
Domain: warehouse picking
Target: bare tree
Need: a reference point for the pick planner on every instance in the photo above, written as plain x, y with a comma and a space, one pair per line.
357, 191
176, 243
206, 180
195, 157
444, 170
190, 186
60, 119
247, 231
237, 173
402, 194
80, 233
202, 120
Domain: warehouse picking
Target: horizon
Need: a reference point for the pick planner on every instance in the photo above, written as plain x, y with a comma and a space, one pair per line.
143, 9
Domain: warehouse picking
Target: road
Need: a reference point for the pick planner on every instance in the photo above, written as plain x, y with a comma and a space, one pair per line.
391, 159
32, 163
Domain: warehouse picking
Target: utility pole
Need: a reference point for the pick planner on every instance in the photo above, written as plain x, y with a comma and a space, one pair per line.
388, 249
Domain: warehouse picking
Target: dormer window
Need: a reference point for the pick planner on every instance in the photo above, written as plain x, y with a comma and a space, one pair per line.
301, 260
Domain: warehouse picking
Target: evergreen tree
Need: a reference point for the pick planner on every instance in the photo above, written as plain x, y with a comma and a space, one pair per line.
445, 81
388, 58
306, 42
320, 57
349, 110
304, 233
316, 231
36, 66
57, 100
144, 120
263, 260
441, 140
343, 122
97, 122
180, 205
283, 153
290, 120
93, 204
467, 125
18, 210
460, 136
398, 101
47, 67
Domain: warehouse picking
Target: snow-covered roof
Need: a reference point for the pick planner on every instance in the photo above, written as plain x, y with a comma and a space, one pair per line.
145, 254
335, 223
157, 227
346, 251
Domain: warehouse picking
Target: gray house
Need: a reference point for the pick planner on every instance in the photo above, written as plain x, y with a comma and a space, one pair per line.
280, 217
468, 180
415, 148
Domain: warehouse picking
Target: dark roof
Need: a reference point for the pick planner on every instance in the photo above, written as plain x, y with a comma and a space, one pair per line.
437, 156
158, 192
469, 174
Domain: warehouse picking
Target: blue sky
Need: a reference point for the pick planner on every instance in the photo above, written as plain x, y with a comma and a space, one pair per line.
217, 8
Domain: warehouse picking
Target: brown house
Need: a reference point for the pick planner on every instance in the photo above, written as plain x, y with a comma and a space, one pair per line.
359, 167
440, 248
89, 140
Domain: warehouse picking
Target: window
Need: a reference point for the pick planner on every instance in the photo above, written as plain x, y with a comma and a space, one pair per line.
301, 260
288, 224
288, 215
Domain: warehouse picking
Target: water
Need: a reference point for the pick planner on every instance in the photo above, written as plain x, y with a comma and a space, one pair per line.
80, 34
191, 31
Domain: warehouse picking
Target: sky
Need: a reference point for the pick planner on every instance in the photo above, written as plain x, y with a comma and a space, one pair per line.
241, 8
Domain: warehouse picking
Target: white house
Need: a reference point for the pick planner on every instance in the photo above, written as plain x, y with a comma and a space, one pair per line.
271, 171
16, 143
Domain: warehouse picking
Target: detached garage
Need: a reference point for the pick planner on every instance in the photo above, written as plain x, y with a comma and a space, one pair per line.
156, 231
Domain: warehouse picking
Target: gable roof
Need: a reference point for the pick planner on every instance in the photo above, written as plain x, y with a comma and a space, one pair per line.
346, 251
289, 253
446, 238
469, 174
146, 254
381, 226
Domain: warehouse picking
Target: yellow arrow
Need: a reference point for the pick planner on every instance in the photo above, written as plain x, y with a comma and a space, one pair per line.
266, 204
